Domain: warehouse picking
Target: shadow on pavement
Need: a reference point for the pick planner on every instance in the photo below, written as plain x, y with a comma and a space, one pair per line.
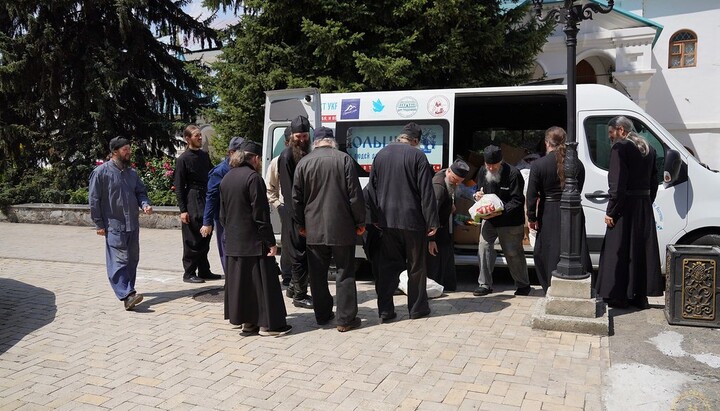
23, 309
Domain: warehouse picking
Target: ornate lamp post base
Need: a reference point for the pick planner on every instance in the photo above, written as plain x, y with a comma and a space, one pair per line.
571, 306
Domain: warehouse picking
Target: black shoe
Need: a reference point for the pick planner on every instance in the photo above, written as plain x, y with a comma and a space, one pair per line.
355, 323
330, 318
193, 279
421, 315
482, 290
640, 303
616, 302
386, 318
523, 290
132, 300
210, 276
286, 282
290, 292
303, 303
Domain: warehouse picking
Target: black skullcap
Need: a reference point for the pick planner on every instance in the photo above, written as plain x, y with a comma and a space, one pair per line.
300, 125
460, 168
412, 130
235, 143
250, 146
493, 154
287, 133
323, 132
118, 142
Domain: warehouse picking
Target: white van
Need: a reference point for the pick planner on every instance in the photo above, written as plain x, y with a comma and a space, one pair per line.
457, 122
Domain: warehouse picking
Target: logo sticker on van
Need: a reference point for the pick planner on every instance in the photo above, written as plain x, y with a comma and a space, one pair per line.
378, 106
406, 107
350, 109
438, 106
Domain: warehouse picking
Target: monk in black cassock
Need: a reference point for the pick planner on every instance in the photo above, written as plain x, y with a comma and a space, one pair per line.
545, 187
191, 178
404, 208
298, 147
253, 296
441, 262
629, 268
330, 211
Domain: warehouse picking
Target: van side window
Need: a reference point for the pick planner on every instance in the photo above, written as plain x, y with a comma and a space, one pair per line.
598, 142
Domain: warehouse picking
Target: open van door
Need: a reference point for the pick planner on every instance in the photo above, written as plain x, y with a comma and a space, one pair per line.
281, 107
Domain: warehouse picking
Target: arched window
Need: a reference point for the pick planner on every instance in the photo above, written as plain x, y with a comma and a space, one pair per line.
683, 49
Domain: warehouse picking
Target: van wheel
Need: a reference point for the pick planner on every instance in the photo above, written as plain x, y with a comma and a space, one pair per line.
707, 239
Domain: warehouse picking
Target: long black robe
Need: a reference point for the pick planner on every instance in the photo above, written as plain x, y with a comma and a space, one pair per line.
630, 258
252, 288
543, 205
441, 267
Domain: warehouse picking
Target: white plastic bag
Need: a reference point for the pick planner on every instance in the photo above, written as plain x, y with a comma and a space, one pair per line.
488, 204
434, 290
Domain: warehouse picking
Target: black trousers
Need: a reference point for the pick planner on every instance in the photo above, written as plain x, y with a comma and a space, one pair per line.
318, 257
285, 260
403, 249
441, 267
298, 262
195, 246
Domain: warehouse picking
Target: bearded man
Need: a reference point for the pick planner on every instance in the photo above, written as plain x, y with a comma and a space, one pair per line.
441, 263
500, 178
298, 147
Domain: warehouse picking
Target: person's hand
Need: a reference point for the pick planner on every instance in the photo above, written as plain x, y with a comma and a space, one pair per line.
609, 221
432, 231
185, 218
100, 231
360, 230
147, 209
432, 248
206, 230
302, 231
533, 225
478, 194
272, 252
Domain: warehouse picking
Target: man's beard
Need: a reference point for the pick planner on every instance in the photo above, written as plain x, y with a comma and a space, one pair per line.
450, 187
492, 177
299, 149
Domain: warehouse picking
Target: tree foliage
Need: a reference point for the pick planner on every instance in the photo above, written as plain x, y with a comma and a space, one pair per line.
76, 73
358, 46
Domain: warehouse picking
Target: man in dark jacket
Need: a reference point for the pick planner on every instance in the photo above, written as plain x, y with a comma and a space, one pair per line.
191, 178
441, 263
500, 178
298, 147
330, 211
404, 208
253, 296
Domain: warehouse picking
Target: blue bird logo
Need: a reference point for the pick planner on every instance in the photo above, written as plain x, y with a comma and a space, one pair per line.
377, 106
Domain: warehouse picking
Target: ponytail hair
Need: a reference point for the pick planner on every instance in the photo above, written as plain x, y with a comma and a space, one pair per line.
555, 138
639, 142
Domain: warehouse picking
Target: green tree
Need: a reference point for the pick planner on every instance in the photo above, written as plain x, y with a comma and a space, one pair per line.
357, 45
76, 73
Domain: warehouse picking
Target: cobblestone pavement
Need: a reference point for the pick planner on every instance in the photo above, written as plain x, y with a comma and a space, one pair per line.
67, 343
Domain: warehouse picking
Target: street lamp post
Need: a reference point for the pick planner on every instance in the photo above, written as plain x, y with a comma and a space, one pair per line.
571, 14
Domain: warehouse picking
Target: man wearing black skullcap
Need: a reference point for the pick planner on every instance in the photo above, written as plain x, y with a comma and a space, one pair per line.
211, 216
253, 297
298, 147
276, 199
403, 206
502, 179
191, 179
116, 194
441, 262
330, 211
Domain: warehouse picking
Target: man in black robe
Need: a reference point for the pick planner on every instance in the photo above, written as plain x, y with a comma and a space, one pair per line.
500, 178
298, 147
404, 208
253, 296
330, 211
441, 263
191, 178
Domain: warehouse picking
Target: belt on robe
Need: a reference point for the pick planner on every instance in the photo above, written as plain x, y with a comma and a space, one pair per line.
638, 193
551, 199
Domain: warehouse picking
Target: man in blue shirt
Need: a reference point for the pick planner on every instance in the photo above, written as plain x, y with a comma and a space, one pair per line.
212, 201
116, 196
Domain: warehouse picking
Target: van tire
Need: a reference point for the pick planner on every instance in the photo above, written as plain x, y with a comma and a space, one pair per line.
707, 239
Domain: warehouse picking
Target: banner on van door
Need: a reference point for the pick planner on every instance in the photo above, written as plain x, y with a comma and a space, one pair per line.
364, 142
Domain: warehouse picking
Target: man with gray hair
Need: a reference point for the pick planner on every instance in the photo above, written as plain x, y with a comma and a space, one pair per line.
330, 210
